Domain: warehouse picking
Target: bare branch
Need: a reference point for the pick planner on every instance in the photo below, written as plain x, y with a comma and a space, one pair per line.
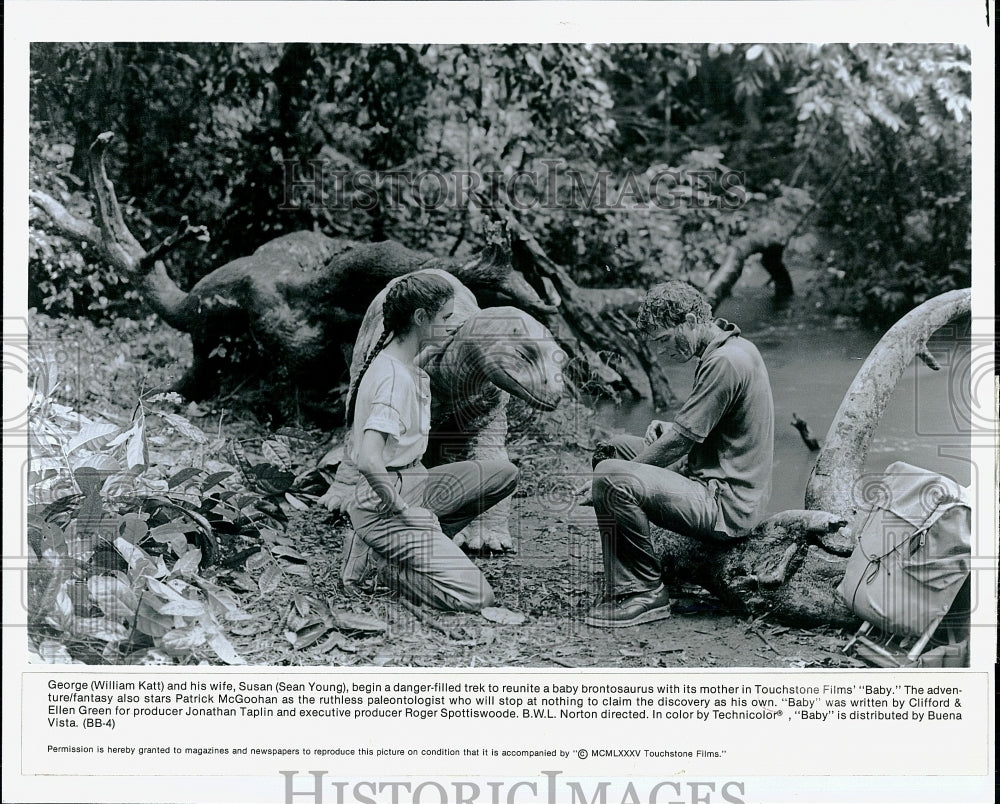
766, 240
185, 231
65, 221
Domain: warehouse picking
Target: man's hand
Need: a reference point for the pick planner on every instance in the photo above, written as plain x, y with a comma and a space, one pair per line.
654, 431
668, 446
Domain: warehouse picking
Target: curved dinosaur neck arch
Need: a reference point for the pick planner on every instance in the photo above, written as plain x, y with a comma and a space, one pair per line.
831, 485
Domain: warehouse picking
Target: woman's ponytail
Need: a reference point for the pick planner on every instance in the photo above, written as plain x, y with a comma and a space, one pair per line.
372, 354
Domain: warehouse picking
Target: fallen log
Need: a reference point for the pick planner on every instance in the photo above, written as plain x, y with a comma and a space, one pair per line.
785, 568
295, 301
769, 241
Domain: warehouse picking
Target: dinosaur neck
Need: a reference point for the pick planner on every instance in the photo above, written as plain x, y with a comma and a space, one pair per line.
838, 468
165, 297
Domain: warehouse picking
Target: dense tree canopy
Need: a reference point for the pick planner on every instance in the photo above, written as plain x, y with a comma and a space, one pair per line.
416, 143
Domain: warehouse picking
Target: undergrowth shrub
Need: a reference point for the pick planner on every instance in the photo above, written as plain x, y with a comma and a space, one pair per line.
134, 525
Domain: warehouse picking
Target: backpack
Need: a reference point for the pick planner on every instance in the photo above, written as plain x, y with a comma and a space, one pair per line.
913, 554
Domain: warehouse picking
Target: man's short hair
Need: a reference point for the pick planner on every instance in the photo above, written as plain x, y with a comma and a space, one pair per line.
668, 303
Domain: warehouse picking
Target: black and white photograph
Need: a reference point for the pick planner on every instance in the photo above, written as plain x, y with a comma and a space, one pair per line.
612, 417
500, 355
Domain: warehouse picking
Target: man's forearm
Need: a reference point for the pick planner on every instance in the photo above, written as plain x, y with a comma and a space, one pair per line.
669, 447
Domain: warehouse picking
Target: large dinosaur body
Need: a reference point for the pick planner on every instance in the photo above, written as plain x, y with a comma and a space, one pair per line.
295, 299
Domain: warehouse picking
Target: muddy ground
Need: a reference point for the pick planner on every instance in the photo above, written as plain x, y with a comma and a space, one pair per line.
551, 580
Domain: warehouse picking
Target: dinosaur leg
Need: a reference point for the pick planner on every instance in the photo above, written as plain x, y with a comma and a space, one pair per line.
489, 531
465, 496
488, 442
198, 381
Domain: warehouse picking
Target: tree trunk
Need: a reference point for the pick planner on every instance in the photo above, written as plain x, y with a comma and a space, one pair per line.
595, 325
787, 567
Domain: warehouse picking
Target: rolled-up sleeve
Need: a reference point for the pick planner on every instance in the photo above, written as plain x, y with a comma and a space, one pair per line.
386, 406
384, 419
710, 397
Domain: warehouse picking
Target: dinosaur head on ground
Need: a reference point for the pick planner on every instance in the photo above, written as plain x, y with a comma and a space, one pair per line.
505, 347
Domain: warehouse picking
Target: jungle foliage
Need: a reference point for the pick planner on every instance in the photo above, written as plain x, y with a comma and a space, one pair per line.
877, 136
148, 535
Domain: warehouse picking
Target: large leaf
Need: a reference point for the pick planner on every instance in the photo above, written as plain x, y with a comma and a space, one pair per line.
277, 453
165, 532
53, 652
214, 479
271, 479
134, 556
184, 427
45, 536
221, 600
60, 613
183, 608
302, 604
257, 561
149, 621
337, 640
115, 598
182, 641
188, 563
496, 614
137, 450
90, 433
288, 552
167, 591
100, 628
300, 570
182, 476
269, 579
225, 650
132, 528
308, 634
244, 582
349, 621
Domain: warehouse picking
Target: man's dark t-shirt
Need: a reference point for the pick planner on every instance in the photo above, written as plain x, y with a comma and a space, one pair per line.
730, 414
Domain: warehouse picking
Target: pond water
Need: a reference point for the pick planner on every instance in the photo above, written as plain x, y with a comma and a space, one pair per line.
812, 360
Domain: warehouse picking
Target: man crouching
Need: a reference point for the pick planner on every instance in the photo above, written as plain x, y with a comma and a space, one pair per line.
706, 474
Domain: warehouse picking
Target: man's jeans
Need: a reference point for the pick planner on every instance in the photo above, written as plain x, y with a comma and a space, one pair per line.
412, 549
627, 497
